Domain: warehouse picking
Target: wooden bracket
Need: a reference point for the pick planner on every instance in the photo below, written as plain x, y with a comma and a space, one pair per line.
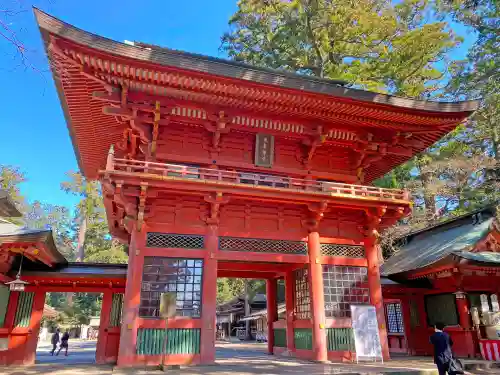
215, 200
311, 144
316, 213
373, 219
218, 124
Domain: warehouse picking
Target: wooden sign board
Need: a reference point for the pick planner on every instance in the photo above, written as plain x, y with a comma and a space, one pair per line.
168, 305
366, 334
264, 150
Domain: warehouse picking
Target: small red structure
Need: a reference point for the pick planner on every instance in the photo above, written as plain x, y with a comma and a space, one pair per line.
212, 168
46, 270
447, 273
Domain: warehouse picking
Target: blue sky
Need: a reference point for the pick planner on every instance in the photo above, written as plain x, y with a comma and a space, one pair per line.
33, 133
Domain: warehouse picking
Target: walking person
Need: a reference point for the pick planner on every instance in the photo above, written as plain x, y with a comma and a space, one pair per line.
443, 355
54, 340
64, 343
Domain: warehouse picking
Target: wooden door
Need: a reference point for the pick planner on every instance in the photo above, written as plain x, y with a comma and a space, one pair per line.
395, 327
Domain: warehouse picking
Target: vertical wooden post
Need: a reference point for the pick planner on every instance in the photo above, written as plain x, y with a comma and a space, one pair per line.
290, 307
209, 296
34, 328
465, 322
7, 356
317, 298
463, 310
10, 315
376, 298
132, 299
107, 303
272, 313
405, 309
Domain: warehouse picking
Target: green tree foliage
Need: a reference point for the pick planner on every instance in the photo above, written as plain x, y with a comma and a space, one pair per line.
10, 179
402, 48
88, 211
92, 240
229, 288
100, 247
375, 44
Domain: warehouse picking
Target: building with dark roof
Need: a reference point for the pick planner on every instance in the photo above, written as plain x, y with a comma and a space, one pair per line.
447, 273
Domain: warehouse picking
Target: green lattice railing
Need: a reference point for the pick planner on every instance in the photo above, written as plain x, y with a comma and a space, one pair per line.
179, 341
4, 302
280, 337
115, 319
23, 311
340, 339
303, 338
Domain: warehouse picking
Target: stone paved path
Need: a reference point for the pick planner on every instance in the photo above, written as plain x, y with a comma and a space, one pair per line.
79, 352
232, 359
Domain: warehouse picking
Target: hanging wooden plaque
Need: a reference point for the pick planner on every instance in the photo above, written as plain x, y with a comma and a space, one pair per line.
264, 150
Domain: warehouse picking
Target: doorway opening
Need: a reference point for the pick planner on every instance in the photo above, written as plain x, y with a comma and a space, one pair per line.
242, 328
75, 315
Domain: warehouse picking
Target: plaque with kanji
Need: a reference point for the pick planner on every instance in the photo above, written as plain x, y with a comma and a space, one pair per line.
264, 150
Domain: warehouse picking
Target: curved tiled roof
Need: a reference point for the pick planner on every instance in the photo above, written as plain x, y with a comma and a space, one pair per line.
86, 67
232, 69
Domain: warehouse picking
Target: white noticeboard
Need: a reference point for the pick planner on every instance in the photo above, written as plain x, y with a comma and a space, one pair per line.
366, 334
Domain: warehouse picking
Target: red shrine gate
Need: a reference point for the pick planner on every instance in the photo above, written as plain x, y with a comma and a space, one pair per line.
216, 169
45, 270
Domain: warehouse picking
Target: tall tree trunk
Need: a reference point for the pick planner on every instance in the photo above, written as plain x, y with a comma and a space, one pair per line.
80, 250
247, 311
426, 180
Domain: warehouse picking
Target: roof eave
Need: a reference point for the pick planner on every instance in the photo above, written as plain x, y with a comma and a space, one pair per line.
241, 72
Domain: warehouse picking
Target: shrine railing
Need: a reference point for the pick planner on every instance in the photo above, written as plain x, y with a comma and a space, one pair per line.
254, 179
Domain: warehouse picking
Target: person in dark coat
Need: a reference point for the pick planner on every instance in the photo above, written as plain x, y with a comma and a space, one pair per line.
54, 340
64, 343
443, 355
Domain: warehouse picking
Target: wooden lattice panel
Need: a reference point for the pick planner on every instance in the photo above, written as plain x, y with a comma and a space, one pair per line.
180, 241
257, 245
349, 251
302, 294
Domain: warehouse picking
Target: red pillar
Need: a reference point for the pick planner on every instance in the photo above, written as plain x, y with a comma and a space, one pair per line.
465, 323
272, 313
132, 298
6, 356
34, 328
107, 302
209, 297
463, 310
317, 298
376, 298
10, 314
290, 307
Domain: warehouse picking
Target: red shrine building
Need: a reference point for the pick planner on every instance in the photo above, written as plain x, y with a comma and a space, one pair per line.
212, 168
447, 273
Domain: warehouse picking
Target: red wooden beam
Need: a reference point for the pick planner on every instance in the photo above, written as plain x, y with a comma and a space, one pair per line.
173, 253
252, 266
247, 274
75, 289
177, 322
262, 257
343, 261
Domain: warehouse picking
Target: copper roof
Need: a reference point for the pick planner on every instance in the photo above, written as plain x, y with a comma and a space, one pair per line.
84, 63
428, 246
